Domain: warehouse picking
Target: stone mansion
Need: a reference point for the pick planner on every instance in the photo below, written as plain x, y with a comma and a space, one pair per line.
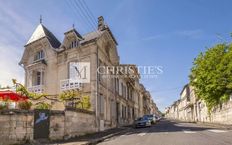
50, 68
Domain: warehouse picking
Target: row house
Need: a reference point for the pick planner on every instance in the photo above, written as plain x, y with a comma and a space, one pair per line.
52, 67
188, 108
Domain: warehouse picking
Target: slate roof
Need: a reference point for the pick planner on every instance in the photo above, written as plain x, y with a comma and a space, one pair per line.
75, 31
90, 36
41, 32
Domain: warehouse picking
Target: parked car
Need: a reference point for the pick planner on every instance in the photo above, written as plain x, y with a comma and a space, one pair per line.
142, 122
157, 118
152, 118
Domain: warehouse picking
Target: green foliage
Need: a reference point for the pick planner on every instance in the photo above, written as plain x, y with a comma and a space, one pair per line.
3, 106
81, 102
75, 96
25, 105
84, 103
69, 95
43, 105
23, 91
32, 96
211, 75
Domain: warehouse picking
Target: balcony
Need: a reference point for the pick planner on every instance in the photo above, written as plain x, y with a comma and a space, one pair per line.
36, 89
69, 84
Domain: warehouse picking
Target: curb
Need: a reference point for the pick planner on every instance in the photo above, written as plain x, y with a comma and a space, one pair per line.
93, 142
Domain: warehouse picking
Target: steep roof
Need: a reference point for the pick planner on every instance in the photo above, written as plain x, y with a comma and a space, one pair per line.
76, 33
90, 36
40, 32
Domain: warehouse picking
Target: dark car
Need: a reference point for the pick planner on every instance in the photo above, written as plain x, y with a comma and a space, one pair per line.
142, 122
151, 117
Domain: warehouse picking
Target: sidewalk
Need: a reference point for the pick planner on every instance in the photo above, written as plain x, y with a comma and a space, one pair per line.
208, 124
88, 139
216, 125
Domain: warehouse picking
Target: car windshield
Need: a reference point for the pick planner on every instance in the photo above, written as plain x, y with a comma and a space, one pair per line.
148, 116
139, 119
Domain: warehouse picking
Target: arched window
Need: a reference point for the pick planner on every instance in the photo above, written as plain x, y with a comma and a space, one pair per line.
39, 55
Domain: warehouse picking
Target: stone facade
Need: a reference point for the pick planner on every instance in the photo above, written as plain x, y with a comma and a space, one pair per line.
49, 64
191, 109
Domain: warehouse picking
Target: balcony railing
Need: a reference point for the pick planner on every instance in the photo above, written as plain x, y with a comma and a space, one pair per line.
36, 89
69, 84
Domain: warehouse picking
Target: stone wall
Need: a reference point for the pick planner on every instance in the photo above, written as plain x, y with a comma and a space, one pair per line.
17, 126
57, 125
222, 114
79, 123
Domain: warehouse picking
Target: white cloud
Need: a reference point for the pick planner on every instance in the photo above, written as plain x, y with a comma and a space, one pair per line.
9, 67
14, 29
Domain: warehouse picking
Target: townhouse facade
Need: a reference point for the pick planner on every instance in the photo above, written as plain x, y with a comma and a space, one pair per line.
190, 108
52, 67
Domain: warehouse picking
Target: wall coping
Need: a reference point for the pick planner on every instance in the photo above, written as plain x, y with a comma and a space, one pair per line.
79, 110
27, 112
16, 111
52, 112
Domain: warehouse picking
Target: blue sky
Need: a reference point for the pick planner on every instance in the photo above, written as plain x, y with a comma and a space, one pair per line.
166, 33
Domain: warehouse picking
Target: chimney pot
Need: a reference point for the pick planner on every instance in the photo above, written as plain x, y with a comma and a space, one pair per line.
101, 23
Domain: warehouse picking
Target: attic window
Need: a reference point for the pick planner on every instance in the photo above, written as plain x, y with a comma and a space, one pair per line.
74, 44
39, 55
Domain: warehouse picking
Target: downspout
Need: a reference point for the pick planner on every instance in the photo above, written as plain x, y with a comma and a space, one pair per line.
97, 93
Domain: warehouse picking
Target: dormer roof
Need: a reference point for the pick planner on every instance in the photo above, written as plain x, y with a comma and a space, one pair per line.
75, 32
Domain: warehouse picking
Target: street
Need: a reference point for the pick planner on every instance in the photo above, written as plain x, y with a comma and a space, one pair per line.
173, 133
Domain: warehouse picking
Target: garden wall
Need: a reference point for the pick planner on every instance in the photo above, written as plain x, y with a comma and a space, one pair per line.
17, 126
222, 114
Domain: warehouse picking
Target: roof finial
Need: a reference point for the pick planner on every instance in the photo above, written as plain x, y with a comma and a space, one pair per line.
40, 19
73, 25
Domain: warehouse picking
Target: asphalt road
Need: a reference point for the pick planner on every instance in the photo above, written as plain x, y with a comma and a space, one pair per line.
173, 133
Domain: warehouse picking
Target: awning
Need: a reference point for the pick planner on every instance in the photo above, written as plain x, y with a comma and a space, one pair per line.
10, 95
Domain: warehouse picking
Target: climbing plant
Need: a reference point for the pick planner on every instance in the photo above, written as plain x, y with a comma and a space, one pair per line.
22, 90
75, 96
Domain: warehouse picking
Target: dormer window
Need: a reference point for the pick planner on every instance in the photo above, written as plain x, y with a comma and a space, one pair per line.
39, 55
74, 44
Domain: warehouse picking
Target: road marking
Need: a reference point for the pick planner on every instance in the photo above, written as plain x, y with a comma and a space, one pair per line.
141, 134
217, 131
188, 131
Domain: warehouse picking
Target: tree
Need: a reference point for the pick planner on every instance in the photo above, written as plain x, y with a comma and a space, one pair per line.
211, 75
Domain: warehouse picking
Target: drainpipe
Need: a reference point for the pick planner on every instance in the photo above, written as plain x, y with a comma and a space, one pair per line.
97, 94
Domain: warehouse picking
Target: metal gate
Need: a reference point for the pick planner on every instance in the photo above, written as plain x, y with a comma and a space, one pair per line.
41, 124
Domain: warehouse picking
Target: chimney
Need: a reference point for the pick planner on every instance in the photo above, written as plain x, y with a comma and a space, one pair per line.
101, 24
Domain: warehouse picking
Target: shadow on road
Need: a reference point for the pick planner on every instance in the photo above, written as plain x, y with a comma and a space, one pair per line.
167, 126
162, 126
